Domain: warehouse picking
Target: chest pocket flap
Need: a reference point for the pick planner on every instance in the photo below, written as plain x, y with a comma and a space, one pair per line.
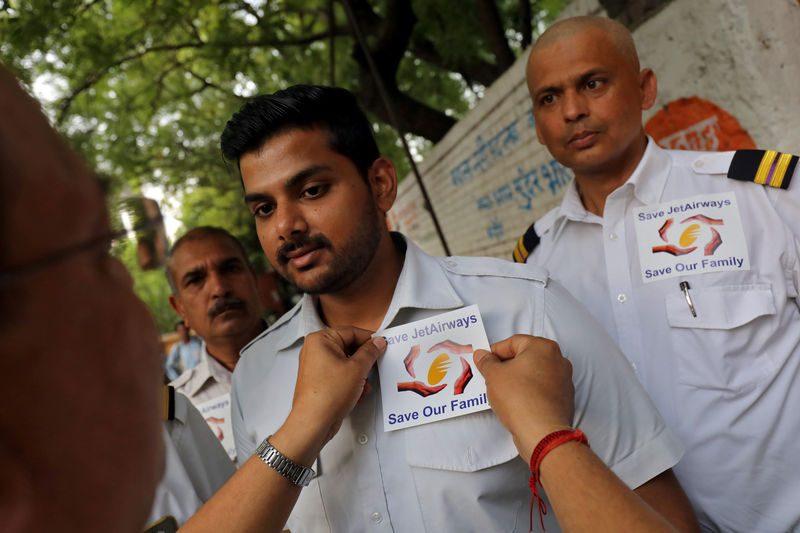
463, 444
723, 307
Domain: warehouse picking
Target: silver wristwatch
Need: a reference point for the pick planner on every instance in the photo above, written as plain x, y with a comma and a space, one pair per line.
297, 474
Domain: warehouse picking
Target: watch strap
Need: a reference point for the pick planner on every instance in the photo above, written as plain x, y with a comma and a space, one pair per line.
296, 473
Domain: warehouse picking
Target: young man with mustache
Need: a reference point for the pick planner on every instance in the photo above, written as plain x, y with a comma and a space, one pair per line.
319, 191
696, 272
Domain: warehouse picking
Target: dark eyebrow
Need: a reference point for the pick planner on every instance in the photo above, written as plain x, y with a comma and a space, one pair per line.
290, 183
192, 273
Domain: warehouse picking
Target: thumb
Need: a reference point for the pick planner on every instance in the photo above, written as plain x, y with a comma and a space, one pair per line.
485, 360
369, 352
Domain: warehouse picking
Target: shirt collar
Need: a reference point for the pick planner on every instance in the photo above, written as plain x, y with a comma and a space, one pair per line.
423, 284
208, 369
647, 183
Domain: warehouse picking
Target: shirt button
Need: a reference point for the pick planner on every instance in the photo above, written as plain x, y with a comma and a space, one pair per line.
363, 439
621, 298
613, 236
450, 263
376, 517
699, 163
633, 366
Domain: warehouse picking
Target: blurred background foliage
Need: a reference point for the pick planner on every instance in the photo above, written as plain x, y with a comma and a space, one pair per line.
143, 88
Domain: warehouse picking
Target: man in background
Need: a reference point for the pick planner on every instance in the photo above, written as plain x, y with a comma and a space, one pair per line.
695, 272
214, 290
184, 354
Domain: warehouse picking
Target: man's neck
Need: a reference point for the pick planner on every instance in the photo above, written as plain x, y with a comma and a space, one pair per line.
226, 349
364, 303
595, 186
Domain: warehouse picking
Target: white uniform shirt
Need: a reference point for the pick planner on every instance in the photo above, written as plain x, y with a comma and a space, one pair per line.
460, 474
728, 380
196, 465
208, 386
208, 380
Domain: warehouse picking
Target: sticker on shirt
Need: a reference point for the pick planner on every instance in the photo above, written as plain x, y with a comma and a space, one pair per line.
217, 413
428, 373
690, 236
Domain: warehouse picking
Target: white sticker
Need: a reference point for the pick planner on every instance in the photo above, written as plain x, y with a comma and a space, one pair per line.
690, 236
217, 413
428, 373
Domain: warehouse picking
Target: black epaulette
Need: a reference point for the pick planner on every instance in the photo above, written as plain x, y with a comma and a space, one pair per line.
526, 245
168, 409
765, 167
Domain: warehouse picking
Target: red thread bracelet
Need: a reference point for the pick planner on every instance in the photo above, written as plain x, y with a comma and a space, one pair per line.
545, 446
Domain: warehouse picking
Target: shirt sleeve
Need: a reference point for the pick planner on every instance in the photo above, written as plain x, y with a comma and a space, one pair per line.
787, 204
623, 426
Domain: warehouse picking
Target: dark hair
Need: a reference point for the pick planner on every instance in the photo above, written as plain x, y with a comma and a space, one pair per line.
304, 107
200, 232
179, 323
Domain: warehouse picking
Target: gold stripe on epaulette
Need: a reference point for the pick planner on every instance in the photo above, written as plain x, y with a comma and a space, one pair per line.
766, 164
520, 252
780, 170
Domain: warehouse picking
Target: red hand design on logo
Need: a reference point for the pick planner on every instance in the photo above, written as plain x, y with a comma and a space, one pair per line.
464, 378
419, 387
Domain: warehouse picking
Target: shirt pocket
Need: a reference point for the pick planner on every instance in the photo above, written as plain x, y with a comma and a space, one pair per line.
722, 347
468, 475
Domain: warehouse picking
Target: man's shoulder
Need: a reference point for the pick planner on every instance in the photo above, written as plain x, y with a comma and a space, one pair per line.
492, 267
530, 240
768, 168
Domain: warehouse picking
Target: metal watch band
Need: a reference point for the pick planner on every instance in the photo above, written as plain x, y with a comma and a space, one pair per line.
297, 474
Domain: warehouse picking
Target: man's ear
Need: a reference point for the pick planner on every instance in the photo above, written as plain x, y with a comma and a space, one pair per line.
16, 494
383, 182
177, 306
648, 85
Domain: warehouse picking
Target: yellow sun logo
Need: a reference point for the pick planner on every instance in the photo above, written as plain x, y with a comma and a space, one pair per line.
689, 235
439, 368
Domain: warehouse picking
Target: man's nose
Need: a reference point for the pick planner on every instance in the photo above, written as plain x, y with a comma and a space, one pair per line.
290, 222
217, 283
574, 106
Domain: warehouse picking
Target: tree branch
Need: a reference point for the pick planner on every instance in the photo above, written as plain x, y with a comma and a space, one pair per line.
494, 32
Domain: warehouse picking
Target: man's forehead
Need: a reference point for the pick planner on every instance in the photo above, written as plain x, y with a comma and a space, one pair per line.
199, 252
587, 51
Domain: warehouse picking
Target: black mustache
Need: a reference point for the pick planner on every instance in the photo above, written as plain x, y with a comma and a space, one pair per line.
318, 241
224, 304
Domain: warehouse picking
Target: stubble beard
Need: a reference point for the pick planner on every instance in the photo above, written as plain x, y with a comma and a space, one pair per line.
349, 261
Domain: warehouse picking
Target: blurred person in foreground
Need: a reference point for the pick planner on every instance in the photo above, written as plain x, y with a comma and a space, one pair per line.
696, 272
80, 428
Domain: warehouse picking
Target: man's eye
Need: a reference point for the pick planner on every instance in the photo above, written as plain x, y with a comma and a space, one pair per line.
594, 84
263, 210
313, 191
546, 99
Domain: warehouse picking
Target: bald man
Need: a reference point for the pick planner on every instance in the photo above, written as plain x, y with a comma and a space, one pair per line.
696, 271
80, 427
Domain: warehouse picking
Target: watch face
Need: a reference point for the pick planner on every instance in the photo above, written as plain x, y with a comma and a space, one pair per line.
165, 525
